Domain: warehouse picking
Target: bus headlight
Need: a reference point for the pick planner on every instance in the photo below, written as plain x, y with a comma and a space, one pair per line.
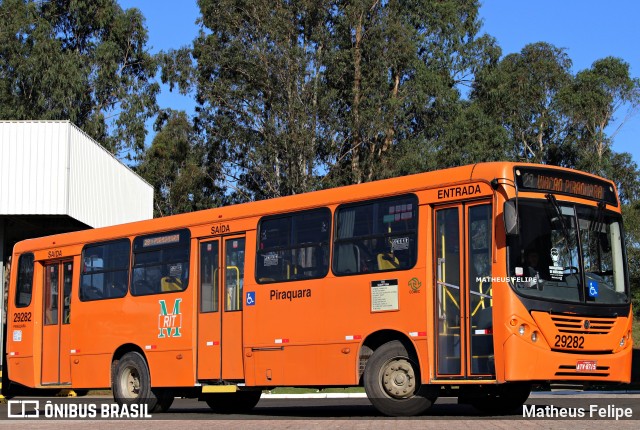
534, 336
622, 342
522, 329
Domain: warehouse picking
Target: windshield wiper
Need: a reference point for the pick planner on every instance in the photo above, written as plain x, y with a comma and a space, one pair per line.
598, 220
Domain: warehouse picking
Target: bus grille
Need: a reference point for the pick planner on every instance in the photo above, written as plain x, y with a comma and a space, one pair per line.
583, 325
570, 370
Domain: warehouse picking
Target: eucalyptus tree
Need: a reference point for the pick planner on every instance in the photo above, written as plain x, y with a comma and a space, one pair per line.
80, 60
173, 165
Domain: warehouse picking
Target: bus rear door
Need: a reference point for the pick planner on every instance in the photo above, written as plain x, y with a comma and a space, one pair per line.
56, 330
220, 308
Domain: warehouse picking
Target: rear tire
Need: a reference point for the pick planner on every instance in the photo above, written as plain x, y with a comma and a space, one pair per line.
131, 384
392, 382
233, 403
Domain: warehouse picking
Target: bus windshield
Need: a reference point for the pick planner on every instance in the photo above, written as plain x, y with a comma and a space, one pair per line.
567, 252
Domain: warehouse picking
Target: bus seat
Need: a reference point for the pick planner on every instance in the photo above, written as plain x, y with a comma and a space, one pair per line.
387, 261
169, 283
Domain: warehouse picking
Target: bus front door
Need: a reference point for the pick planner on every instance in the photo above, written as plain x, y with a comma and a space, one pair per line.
463, 244
56, 366
220, 309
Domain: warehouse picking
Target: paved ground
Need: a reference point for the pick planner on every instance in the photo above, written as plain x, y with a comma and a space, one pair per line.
357, 413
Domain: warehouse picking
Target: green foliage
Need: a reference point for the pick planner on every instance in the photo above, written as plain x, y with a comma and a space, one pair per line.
521, 93
291, 92
173, 165
78, 60
631, 214
259, 85
590, 102
393, 70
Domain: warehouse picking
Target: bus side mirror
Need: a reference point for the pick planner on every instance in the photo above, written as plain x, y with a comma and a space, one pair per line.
510, 218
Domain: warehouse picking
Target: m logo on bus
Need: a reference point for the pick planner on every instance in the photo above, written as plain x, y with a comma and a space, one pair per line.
170, 324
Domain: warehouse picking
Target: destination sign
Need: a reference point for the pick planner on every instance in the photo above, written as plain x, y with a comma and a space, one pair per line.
161, 240
569, 183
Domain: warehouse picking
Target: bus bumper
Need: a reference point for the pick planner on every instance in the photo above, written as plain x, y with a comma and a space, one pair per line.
527, 362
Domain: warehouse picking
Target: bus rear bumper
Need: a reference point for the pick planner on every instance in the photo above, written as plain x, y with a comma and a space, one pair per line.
527, 362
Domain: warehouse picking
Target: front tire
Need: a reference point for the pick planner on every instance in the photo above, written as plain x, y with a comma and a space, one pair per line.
392, 382
131, 384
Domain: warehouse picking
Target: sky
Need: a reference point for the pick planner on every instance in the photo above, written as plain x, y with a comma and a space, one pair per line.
587, 29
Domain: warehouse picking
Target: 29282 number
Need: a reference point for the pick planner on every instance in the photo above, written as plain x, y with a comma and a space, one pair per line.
569, 342
22, 317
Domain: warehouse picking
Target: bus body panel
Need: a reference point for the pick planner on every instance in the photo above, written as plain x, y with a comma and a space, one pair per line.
537, 364
91, 370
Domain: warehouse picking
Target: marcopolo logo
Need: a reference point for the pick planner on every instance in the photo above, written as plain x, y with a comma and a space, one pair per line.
170, 324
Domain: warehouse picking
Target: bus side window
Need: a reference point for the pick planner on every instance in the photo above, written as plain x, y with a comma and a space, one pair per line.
293, 246
376, 236
161, 263
25, 281
105, 270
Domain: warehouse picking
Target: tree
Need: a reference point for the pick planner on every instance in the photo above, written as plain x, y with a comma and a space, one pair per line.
295, 91
521, 92
631, 214
395, 68
257, 82
590, 102
78, 60
173, 165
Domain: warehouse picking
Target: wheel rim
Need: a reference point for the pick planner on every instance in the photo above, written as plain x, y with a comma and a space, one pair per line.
130, 383
398, 378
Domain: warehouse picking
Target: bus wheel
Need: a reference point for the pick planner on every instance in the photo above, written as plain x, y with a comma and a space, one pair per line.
501, 399
233, 403
165, 400
392, 382
131, 384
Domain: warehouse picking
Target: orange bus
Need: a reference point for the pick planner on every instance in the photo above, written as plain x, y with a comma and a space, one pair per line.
478, 280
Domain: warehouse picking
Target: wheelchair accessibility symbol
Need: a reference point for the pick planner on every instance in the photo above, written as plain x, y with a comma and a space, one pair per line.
251, 298
593, 289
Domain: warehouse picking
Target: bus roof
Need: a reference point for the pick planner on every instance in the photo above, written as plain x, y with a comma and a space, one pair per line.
333, 196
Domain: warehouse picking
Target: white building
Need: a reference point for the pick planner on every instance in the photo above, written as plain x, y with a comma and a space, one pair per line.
54, 178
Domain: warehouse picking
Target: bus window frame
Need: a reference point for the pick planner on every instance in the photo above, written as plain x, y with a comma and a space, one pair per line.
414, 233
182, 241
81, 272
293, 246
19, 279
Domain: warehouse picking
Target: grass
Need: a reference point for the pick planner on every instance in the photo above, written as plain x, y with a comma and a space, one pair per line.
636, 333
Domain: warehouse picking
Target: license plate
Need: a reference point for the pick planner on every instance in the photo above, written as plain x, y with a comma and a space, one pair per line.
586, 365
